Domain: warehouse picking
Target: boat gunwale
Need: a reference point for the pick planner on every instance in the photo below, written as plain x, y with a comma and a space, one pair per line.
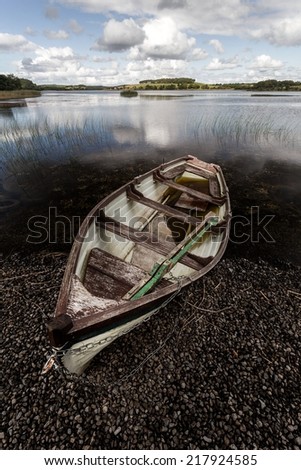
75, 250
91, 325
83, 326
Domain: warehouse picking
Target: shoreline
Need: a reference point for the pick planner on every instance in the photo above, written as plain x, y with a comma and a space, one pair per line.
265, 205
18, 94
217, 368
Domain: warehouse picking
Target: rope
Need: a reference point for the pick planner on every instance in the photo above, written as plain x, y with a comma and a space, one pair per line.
52, 360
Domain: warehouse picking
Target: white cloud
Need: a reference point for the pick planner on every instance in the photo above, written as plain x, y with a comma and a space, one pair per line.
164, 40
61, 34
197, 54
46, 60
209, 16
219, 64
30, 31
156, 68
266, 62
158, 38
52, 63
286, 32
276, 21
61, 65
60, 53
15, 43
75, 27
268, 74
51, 13
120, 35
105, 6
217, 45
213, 15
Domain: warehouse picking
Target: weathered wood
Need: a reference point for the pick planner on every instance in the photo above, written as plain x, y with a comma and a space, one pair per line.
86, 278
187, 202
214, 188
58, 328
149, 240
108, 276
210, 175
135, 195
167, 263
197, 168
158, 176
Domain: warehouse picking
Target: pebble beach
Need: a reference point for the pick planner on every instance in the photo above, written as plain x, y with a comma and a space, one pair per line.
217, 368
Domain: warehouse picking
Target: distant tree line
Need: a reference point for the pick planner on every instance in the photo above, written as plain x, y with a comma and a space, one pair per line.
181, 83
188, 83
167, 86
264, 85
170, 80
10, 82
277, 85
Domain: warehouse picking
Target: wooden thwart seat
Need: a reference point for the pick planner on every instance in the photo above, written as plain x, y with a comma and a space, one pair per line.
135, 195
158, 176
165, 265
148, 240
110, 277
214, 189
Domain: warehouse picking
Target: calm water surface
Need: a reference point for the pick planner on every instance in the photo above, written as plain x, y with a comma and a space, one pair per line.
209, 123
257, 139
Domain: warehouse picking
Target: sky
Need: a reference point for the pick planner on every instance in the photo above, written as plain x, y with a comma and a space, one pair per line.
113, 42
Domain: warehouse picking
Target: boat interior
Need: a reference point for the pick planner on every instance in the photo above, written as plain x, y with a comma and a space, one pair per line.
144, 223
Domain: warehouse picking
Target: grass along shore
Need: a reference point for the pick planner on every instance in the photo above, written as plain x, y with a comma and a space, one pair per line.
18, 94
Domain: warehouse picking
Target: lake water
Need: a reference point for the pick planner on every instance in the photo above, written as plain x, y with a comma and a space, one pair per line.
60, 145
209, 123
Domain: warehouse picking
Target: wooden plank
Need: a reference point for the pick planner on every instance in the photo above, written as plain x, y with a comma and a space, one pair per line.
58, 328
149, 240
186, 202
102, 285
108, 276
114, 267
167, 263
214, 189
158, 176
135, 195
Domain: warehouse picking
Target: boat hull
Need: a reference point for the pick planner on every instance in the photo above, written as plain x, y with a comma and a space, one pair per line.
78, 357
135, 250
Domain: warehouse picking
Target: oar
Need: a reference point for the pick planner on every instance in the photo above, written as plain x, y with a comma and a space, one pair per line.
160, 269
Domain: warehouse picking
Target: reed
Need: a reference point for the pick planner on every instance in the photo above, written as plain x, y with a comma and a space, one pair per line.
237, 129
17, 94
30, 148
39, 142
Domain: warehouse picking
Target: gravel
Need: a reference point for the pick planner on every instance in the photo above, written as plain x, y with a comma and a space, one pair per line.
218, 368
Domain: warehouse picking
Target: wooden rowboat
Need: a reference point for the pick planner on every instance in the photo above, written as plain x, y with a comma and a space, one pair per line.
135, 250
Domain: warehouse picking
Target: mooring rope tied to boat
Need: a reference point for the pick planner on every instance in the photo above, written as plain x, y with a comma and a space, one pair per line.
53, 360
146, 267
